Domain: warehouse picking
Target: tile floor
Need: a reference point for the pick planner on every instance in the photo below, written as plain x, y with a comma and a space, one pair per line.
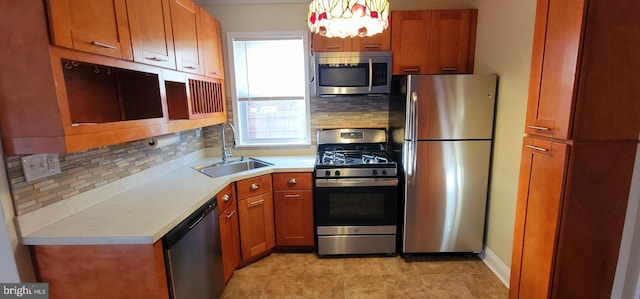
304, 275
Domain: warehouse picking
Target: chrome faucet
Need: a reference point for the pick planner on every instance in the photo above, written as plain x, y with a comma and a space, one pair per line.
226, 153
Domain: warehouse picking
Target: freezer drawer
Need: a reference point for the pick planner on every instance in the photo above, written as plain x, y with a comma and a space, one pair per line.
445, 195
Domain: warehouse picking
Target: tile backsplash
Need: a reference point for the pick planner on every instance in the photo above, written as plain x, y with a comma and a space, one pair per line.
86, 170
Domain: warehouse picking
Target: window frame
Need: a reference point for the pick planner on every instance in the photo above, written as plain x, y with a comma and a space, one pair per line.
231, 36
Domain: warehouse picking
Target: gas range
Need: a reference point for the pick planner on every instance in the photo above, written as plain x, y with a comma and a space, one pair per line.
353, 153
356, 193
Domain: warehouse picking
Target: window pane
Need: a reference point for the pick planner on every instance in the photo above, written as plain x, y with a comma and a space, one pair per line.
270, 88
268, 121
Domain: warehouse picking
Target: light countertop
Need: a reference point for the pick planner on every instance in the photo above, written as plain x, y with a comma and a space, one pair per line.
145, 213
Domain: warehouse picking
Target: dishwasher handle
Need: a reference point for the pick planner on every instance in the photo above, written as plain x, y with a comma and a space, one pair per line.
189, 223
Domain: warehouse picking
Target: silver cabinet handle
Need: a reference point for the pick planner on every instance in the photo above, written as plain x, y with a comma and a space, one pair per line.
230, 214
190, 67
332, 47
215, 73
292, 181
411, 69
254, 187
370, 74
292, 196
156, 58
256, 203
99, 44
449, 69
371, 46
226, 198
537, 148
539, 128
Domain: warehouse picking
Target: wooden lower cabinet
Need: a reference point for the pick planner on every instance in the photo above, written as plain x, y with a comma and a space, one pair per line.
293, 203
571, 207
229, 230
102, 271
255, 212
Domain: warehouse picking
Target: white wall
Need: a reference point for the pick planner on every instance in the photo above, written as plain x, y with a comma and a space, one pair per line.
504, 44
15, 260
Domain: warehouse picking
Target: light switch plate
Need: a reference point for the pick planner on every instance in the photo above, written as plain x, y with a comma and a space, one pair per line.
39, 166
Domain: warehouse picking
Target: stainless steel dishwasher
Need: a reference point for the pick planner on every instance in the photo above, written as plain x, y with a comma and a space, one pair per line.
194, 255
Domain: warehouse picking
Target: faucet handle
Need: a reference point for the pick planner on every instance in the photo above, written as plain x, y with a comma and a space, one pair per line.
241, 157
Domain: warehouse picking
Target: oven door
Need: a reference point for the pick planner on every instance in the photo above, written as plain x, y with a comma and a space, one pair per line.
356, 202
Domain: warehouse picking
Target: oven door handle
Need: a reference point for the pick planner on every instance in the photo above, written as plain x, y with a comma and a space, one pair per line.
325, 183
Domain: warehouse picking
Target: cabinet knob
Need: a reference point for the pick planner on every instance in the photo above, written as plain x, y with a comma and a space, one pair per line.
292, 181
254, 187
226, 197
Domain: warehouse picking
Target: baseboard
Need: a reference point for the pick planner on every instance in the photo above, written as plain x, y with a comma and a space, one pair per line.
496, 266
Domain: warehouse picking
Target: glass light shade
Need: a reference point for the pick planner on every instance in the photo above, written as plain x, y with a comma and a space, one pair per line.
348, 18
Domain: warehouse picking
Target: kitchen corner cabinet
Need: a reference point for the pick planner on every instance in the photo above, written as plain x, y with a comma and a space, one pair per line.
102, 271
185, 17
255, 212
578, 156
433, 41
378, 42
293, 201
151, 34
97, 26
229, 230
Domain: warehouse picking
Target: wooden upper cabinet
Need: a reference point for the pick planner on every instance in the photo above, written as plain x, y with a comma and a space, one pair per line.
433, 41
540, 191
184, 21
334, 44
410, 38
557, 41
452, 46
211, 41
97, 26
378, 42
151, 34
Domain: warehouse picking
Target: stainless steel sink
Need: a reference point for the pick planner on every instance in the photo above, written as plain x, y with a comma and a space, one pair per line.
230, 167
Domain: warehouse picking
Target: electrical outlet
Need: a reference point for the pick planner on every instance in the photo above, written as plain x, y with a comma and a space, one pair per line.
198, 132
39, 166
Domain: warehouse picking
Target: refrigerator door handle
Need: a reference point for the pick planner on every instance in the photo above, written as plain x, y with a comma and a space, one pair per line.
414, 115
410, 160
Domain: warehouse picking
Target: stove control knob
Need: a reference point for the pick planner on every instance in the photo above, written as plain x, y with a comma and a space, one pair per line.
337, 172
375, 172
384, 172
327, 173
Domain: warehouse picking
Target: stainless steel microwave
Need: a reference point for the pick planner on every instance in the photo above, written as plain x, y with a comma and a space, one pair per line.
342, 73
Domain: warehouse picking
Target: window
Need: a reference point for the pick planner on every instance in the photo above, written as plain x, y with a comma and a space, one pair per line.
269, 76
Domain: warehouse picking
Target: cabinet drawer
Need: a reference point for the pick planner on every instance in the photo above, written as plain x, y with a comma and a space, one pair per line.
292, 181
253, 186
226, 198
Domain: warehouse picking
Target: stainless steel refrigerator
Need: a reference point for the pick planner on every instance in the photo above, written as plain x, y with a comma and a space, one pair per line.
441, 129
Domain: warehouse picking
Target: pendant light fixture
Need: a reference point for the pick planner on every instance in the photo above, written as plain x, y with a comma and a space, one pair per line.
348, 18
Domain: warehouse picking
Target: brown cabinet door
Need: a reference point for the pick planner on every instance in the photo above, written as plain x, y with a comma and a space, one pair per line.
184, 22
378, 42
540, 193
334, 44
452, 45
257, 229
151, 34
410, 41
211, 41
97, 26
556, 51
294, 218
230, 239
